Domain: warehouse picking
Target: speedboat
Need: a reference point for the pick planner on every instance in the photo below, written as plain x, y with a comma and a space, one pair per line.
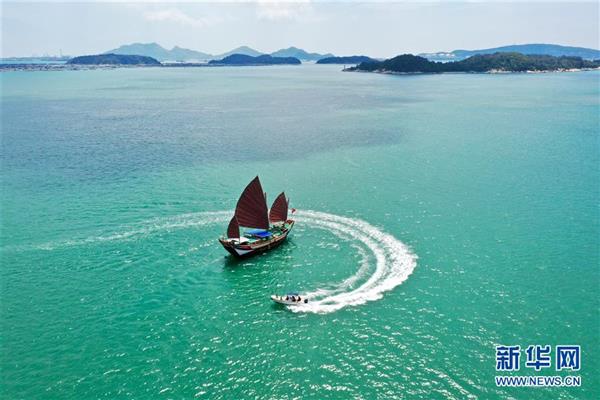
290, 299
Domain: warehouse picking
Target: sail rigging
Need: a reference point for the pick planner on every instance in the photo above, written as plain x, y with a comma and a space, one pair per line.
279, 209
251, 210
233, 230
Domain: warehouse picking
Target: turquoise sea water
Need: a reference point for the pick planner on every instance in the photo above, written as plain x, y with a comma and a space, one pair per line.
114, 184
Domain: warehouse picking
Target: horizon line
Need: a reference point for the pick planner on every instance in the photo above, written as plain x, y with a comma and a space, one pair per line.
286, 48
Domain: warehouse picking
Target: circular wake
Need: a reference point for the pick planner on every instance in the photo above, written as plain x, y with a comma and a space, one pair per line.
394, 262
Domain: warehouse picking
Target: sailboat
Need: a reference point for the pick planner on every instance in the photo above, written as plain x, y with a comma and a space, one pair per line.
264, 229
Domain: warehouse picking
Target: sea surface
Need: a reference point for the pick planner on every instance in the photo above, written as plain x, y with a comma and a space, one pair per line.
438, 216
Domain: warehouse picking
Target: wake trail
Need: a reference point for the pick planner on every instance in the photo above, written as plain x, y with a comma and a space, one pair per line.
393, 261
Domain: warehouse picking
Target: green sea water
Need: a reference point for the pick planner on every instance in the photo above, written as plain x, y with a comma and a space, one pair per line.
438, 216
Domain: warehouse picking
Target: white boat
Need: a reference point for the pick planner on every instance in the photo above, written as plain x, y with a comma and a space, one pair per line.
292, 299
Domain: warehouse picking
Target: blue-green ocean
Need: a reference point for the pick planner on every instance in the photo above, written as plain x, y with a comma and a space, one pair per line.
438, 217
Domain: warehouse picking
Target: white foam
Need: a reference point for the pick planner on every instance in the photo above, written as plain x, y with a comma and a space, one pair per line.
394, 262
142, 229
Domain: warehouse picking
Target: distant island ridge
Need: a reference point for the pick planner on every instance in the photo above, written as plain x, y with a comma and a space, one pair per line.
265, 59
178, 54
183, 55
159, 53
132, 59
528, 49
402, 64
300, 54
497, 62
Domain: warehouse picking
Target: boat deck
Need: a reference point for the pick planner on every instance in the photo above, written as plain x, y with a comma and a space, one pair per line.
275, 231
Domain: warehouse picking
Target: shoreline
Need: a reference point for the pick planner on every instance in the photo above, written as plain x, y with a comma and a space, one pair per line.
491, 72
86, 67
66, 67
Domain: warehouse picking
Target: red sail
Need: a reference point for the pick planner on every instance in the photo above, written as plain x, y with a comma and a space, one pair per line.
279, 209
251, 210
233, 230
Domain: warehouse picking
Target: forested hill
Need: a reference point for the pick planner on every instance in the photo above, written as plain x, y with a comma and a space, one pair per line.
265, 59
113, 59
346, 60
497, 62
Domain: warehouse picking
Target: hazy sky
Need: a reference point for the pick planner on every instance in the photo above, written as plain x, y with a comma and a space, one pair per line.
379, 29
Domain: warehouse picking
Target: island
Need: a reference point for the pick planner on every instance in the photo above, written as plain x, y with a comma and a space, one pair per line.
114, 59
490, 63
532, 48
265, 59
346, 60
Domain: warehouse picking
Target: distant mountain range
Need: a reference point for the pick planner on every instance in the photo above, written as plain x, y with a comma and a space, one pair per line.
179, 54
158, 52
530, 49
244, 50
300, 54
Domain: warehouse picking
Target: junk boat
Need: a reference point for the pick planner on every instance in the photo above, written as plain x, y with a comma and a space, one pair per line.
266, 229
290, 299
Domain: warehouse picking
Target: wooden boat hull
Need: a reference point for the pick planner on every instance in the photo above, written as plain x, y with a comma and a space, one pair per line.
245, 250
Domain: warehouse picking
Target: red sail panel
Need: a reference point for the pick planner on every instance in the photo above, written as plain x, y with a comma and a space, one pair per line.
233, 230
279, 209
251, 210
